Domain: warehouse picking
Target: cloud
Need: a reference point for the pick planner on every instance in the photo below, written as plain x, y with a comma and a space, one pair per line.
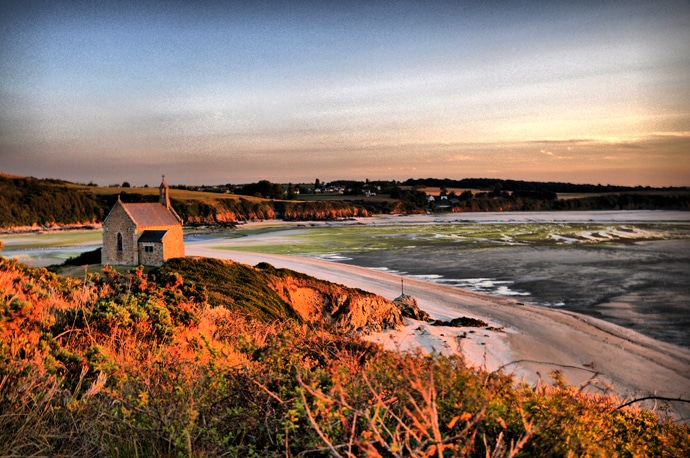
643, 141
459, 158
683, 134
563, 142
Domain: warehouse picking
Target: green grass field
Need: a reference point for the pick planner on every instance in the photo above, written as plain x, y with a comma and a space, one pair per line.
178, 194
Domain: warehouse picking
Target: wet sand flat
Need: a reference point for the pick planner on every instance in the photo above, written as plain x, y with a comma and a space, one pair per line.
642, 286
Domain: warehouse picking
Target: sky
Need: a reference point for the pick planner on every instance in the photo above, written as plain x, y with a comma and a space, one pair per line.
214, 92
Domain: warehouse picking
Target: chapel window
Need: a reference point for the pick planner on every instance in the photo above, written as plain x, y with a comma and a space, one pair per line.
119, 242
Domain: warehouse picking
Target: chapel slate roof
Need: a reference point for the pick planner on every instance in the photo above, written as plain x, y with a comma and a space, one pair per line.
150, 214
152, 236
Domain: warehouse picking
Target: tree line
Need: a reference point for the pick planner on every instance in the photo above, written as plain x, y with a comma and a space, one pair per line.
518, 185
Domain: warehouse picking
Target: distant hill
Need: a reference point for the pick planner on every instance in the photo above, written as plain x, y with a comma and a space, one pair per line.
29, 202
493, 194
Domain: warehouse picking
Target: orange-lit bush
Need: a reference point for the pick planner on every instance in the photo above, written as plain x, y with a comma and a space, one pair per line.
128, 364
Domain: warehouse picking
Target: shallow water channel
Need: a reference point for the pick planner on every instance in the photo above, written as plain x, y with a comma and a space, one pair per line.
643, 286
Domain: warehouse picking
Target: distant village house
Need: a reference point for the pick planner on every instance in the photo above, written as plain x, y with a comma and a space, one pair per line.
142, 233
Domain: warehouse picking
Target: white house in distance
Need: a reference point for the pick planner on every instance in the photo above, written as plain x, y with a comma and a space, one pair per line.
142, 233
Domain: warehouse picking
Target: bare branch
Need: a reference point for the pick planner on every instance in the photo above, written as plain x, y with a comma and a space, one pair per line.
656, 398
544, 362
313, 421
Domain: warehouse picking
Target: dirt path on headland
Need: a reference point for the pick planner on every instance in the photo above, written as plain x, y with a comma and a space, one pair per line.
534, 342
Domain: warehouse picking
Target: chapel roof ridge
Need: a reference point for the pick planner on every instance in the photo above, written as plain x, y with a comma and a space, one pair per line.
146, 214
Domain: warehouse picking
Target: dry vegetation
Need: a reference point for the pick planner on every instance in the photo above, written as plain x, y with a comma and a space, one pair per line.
141, 365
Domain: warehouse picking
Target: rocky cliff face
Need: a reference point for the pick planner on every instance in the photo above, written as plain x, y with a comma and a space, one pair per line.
323, 213
231, 217
230, 211
347, 309
409, 308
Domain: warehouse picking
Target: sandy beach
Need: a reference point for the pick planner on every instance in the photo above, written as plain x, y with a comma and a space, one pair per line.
525, 340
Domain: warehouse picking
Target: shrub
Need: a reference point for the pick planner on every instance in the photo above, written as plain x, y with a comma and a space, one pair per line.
129, 365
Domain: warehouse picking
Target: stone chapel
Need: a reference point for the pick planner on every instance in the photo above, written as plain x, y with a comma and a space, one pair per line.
142, 233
